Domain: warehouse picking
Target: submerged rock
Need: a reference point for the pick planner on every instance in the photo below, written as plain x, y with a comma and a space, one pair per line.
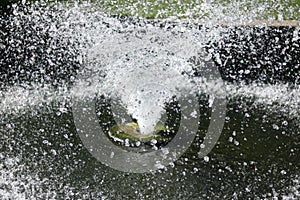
131, 132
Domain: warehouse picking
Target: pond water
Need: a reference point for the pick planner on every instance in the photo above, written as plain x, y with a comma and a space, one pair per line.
59, 63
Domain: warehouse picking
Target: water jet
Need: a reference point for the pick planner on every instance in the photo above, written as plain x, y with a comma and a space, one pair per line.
72, 74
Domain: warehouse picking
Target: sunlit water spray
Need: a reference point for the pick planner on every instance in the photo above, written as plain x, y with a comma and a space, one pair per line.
121, 57
144, 67
145, 81
143, 64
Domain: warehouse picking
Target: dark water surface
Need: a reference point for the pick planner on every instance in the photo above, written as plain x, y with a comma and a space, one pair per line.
256, 156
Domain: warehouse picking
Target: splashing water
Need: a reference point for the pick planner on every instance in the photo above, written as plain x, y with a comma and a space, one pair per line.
119, 53
140, 62
154, 69
143, 93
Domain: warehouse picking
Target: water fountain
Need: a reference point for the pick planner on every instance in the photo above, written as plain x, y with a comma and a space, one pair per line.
77, 77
